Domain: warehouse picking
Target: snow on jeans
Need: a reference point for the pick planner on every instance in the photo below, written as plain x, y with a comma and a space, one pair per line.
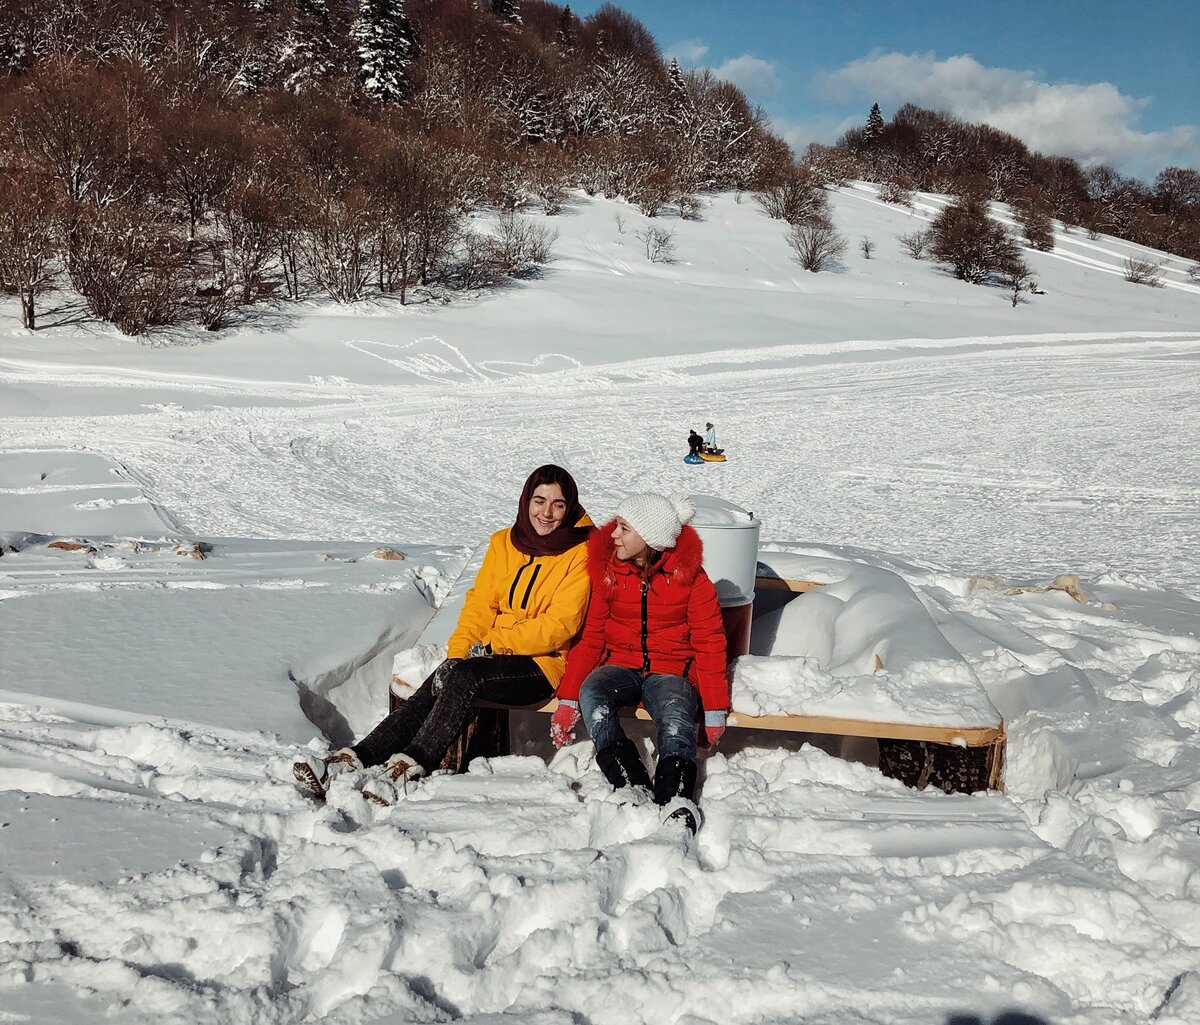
430, 721
670, 700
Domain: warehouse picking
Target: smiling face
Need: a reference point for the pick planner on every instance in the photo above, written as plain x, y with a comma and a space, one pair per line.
547, 508
627, 541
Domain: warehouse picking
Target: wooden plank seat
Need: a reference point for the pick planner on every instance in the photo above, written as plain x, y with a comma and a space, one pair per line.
961, 756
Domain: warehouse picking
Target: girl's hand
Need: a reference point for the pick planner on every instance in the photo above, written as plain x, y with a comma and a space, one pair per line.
714, 728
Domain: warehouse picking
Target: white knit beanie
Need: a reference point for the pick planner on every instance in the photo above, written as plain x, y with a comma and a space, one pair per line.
657, 518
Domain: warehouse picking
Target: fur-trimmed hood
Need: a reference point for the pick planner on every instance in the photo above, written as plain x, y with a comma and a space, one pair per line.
682, 563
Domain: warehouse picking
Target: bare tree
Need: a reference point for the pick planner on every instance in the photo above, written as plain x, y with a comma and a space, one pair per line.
1143, 272
80, 126
199, 146
30, 210
977, 247
659, 244
867, 247
338, 243
816, 245
129, 267
521, 243
798, 198
1018, 279
1033, 214
916, 243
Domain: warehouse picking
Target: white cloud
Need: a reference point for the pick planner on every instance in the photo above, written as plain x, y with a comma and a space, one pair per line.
752, 75
827, 130
688, 51
1091, 122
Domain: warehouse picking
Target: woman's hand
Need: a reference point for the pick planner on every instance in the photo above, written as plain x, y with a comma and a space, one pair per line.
562, 724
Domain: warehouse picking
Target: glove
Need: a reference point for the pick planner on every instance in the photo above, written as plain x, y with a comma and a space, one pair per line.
562, 723
714, 728
480, 650
442, 672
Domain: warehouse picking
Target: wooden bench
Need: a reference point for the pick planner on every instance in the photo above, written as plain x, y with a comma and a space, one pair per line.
953, 758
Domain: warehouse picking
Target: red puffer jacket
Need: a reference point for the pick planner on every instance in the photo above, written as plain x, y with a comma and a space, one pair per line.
669, 622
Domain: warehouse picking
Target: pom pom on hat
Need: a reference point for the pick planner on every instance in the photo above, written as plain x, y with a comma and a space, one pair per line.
657, 518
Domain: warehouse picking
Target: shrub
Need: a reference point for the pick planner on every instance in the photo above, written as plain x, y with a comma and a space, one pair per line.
1018, 279
129, 268
1038, 227
867, 247
916, 243
1143, 272
659, 243
797, 199
815, 245
520, 243
892, 191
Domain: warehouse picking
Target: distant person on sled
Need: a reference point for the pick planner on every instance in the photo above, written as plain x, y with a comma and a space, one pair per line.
526, 605
710, 438
695, 443
653, 637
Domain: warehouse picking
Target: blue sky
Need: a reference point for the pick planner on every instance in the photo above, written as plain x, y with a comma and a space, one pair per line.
1107, 80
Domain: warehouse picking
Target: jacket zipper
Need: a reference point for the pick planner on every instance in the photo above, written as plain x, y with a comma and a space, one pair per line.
512, 591
645, 628
532, 580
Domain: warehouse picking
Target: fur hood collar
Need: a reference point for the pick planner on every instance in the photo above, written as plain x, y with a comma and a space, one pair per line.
682, 563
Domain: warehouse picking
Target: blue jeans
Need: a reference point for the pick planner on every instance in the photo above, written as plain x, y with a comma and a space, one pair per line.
670, 700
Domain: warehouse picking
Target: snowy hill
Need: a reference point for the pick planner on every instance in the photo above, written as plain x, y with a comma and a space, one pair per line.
158, 866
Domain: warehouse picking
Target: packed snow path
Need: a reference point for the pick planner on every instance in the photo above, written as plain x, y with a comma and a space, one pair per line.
1011, 456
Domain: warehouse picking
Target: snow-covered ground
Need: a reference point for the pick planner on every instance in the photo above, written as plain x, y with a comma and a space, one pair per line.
158, 866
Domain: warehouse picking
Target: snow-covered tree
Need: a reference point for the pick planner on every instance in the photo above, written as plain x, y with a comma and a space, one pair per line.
507, 10
384, 46
875, 125
307, 50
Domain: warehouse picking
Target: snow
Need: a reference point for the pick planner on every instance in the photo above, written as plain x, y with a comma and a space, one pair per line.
900, 435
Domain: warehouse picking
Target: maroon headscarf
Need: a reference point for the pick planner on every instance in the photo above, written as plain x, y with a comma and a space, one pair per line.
564, 537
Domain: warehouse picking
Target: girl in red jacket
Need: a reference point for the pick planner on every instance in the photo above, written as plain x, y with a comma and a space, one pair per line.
653, 636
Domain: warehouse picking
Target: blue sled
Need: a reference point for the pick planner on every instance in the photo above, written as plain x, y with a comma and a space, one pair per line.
693, 460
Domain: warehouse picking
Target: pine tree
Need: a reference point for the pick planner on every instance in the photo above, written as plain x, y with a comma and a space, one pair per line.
307, 53
507, 10
385, 46
875, 125
680, 103
564, 38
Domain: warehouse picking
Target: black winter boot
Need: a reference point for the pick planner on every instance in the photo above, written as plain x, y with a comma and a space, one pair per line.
623, 766
674, 789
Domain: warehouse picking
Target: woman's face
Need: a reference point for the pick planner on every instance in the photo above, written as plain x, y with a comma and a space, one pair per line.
627, 541
547, 508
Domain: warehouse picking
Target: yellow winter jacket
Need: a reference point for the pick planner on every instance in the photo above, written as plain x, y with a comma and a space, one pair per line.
525, 605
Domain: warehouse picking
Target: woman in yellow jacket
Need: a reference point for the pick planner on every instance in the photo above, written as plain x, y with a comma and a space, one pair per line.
527, 603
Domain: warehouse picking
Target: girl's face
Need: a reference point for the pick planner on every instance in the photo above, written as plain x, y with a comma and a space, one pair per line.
547, 508
627, 541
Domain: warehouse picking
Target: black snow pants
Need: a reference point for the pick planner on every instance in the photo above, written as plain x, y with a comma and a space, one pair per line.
430, 721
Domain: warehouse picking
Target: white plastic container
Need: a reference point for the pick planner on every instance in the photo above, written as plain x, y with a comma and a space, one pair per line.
730, 537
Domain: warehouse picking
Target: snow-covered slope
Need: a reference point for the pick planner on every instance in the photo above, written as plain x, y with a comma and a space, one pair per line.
158, 866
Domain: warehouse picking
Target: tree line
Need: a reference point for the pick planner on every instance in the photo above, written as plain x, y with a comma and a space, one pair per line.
929, 151
180, 161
